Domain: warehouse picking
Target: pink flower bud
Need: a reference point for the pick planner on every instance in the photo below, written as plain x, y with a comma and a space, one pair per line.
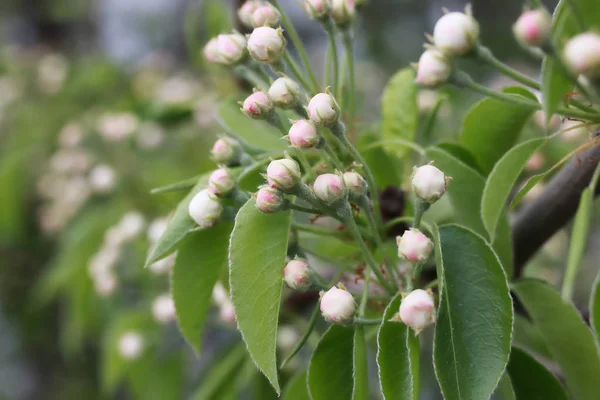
429, 183
303, 135
205, 209
227, 313
296, 275
434, 68
414, 246
266, 44
323, 109
246, 11
283, 174
163, 309
131, 345
269, 200
329, 188
258, 105
219, 294
338, 306
342, 11
417, 310
211, 51
285, 92
231, 47
317, 9
533, 28
582, 55
226, 151
221, 182
266, 15
455, 33
356, 184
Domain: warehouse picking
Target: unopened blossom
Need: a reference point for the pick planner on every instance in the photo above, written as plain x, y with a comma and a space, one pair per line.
283, 174
219, 294
317, 9
266, 15
356, 184
428, 183
205, 209
414, 246
433, 69
582, 55
329, 188
131, 345
231, 48
296, 274
533, 28
269, 200
226, 151
337, 306
285, 92
343, 11
303, 135
246, 11
323, 109
417, 310
227, 313
266, 44
258, 105
211, 51
221, 182
455, 34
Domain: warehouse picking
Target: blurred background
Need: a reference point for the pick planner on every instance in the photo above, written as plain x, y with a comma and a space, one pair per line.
103, 100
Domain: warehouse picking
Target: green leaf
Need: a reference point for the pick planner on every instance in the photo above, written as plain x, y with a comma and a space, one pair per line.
329, 248
528, 337
396, 349
222, 372
151, 383
492, 127
201, 258
360, 390
474, 326
531, 380
296, 389
217, 18
502, 179
330, 372
186, 184
505, 388
465, 192
595, 308
399, 108
387, 170
254, 132
569, 340
461, 153
257, 254
178, 226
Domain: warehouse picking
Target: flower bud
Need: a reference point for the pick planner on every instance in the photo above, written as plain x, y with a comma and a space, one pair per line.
219, 294
296, 275
231, 48
221, 183
417, 310
455, 34
131, 345
269, 200
533, 28
205, 209
323, 109
303, 135
266, 15
329, 188
414, 246
226, 151
434, 68
285, 92
317, 9
283, 174
227, 312
246, 11
429, 183
338, 306
582, 55
211, 51
342, 11
102, 179
258, 105
163, 309
356, 184
266, 44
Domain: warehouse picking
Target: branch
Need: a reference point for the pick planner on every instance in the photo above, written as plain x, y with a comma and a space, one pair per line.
539, 220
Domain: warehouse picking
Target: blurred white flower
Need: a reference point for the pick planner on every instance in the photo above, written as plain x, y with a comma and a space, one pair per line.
163, 266
287, 337
103, 261
131, 345
132, 224
150, 136
105, 284
71, 161
102, 178
10, 90
573, 135
177, 91
52, 72
156, 228
220, 295
116, 127
205, 112
70, 135
163, 309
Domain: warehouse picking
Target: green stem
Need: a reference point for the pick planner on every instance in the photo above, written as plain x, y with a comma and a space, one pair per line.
307, 210
577, 13
349, 47
289, 27
330, 29
250, 76
311, 325
365, 297
420, 208
397, 220
295, 70
364, 321
486, 55
318, 230
431, 284
334, 158
327, 69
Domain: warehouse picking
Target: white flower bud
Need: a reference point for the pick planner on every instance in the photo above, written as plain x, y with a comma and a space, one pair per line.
221, 183
338, 306
226, 151
342, 11
102, 179
428, 183
205, 209
163, 309
417, 310
317, 9
231, 48
269, 200
329, 188
303, 135
296, 274
582, 55
266, 15
258, 105
434, 68
131, 345
356, 184
533, 28
227, 313
283, 174
414, 246
285, 92
219, 294
266, 44
323, 109
211, 51
246, 11
455, 33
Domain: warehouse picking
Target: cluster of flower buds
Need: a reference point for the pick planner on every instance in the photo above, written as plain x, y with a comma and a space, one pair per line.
163, 309
417, 310
131, 345
222, 300
337, 305
533, 28
414, 246
205, 208
297, 274
582, 55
